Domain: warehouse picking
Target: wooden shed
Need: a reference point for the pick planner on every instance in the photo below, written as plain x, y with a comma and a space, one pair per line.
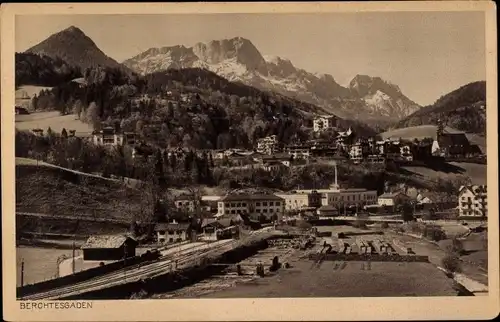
109, 247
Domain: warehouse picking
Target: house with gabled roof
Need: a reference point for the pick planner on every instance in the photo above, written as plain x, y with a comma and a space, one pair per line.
173, 232
473, 201
392, 199
108, 247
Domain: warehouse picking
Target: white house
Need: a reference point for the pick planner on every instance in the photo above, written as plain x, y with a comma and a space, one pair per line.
392, 199
324, 122
473, 201
405, 152
356, 152
173, 232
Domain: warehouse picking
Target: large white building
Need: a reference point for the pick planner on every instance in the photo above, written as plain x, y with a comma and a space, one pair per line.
473, 201
337, 197
295, 201
268, 145
109, 137
324, 122
254, 205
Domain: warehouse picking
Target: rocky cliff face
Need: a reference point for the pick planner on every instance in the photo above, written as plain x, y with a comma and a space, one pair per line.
368, 99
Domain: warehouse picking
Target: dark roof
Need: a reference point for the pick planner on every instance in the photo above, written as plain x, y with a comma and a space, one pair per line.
184, 196
447, 140
327, 208
476, 189
277, 156
392, 195
107, 241
272, 162
172, 226
210, 222
225, 222
244, 196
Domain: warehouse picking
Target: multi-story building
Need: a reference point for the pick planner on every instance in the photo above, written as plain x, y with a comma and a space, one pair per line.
341, 198
268, 145
295, 201
392, 199
473, 201
109, 137
173, 232
345, 138
356, 152
405, 151
299, 151
324, 122
185, 202
349, 197
254, 205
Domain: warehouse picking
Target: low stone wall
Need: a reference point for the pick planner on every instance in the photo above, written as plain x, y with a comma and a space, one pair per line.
369, 257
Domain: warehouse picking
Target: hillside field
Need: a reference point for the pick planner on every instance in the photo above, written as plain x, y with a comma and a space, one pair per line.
476, 172
56, 191
429, 131
54, 120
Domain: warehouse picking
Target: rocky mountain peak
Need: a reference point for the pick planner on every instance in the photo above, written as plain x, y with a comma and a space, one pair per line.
365, 85
74, 47
240, 49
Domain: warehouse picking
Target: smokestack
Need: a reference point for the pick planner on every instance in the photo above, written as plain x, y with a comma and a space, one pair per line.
336, 174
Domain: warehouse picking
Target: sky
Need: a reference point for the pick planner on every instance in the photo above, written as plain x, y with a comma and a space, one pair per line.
427, 54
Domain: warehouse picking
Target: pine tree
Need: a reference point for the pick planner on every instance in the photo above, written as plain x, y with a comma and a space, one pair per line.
159, 174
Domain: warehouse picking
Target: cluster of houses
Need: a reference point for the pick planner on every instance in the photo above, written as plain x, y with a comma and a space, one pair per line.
252, 209
248, 211
359, 149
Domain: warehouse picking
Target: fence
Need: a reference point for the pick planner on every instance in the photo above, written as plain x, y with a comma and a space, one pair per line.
77, 277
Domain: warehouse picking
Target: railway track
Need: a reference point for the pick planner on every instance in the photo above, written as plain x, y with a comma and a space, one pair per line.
130, 274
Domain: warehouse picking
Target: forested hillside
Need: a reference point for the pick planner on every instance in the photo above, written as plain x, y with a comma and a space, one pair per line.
33, 69
463, 109
189, 107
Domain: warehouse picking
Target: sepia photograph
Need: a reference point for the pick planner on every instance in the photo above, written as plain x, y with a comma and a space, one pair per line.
333, 154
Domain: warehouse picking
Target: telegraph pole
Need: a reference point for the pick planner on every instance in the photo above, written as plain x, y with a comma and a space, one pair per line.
124, 262
73, 262
22, 272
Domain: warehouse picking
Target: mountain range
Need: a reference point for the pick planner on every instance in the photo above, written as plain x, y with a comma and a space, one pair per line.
368, 99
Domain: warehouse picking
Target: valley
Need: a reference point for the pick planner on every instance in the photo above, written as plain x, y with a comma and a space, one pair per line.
180, 170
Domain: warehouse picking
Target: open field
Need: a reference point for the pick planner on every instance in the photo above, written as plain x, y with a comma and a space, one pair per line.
429, 131
436, 253
415, 132
39, 263
54, 120
476, 172
350, 279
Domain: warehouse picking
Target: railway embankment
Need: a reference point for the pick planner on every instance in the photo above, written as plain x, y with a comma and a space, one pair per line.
188, 272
